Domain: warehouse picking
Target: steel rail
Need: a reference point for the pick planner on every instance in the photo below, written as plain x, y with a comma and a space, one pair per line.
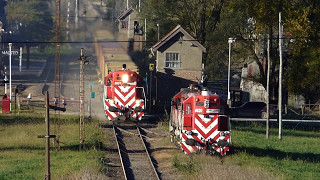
146, 149
119, 151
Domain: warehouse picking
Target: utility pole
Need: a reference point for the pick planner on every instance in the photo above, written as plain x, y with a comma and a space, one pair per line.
268, 92
47, 120
280, 77
48, 136
83, 61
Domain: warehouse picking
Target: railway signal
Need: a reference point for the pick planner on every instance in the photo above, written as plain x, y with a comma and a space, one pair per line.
151, 67
83, 61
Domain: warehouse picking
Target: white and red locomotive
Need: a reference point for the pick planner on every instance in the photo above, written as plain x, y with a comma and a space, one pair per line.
124, 95
199, 121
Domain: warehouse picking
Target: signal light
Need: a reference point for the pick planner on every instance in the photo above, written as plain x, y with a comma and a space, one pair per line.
151, 67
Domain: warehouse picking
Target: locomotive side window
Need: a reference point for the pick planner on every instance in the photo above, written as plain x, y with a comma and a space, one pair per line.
199, 104
179, 105
222, 110
214, 103
223, 124
188, 109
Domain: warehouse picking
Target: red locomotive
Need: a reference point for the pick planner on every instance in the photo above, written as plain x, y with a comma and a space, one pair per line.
199, 121
124, 95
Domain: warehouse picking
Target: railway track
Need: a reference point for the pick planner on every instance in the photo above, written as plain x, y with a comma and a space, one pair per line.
133, 152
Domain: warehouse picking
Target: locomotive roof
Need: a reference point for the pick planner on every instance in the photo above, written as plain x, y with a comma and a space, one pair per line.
192, 92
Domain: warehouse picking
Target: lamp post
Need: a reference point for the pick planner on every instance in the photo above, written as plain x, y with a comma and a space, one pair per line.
10, 46
230, 41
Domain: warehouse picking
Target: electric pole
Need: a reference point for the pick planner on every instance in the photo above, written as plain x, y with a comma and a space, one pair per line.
83, 61
268, 92
280, 77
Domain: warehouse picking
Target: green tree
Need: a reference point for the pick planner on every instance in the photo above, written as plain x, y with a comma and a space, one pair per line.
303, 72
34, 17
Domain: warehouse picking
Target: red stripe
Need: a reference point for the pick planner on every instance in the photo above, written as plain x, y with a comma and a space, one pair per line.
184, 136
227, 137
185, 148
205, 136
197, 139
124, 102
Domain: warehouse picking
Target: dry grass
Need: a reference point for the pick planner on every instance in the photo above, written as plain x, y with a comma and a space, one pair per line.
85, 175
214, 168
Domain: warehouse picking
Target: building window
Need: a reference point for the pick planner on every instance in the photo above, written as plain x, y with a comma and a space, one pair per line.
172, 60
124, 24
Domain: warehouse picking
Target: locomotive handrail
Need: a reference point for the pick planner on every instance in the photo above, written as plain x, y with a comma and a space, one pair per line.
144, 95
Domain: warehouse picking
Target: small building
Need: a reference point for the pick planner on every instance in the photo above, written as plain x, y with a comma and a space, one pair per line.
130, 29
178, 63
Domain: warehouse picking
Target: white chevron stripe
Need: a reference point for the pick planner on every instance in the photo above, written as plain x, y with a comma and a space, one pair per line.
124, 98
204, 119
124, 89
126, 105
205, 130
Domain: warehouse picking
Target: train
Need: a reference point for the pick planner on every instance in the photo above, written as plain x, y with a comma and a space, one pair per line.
124, 95
200, 121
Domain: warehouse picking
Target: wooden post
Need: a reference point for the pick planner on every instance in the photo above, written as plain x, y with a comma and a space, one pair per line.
47, 119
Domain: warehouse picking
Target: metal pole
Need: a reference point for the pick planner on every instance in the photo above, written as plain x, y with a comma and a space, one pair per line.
268, 92
280, 77
20, 59
139, 5
77, 13
158, 32
230, 40
47, 119
145, 31
5, 79
150, 93
10, 45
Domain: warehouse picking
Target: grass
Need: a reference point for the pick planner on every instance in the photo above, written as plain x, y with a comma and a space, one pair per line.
252, 156
296, 156
22, 154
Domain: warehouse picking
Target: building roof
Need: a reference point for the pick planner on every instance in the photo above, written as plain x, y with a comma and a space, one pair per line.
126, 13
172, 33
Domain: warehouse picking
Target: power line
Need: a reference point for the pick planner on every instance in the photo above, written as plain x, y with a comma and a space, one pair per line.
120, 41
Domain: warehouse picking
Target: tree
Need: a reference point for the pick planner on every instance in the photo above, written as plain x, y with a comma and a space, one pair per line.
303, 72
34, 19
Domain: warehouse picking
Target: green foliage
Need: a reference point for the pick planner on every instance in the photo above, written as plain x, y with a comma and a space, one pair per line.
35, 18
212, 22
185, 164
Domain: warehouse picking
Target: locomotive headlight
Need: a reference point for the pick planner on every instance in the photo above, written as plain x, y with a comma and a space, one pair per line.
125, 78
111, 101
138, 102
